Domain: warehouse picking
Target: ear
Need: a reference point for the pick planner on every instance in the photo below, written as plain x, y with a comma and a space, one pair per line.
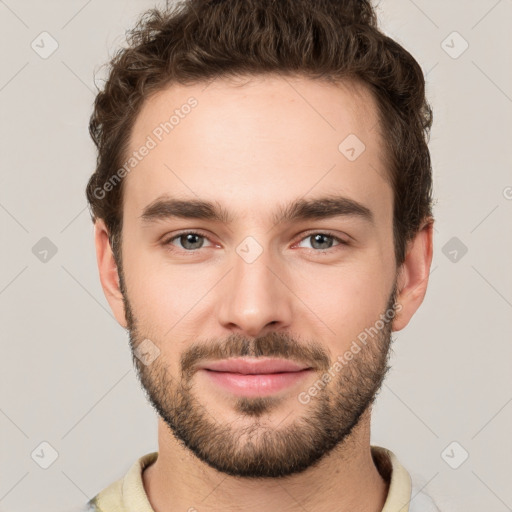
413, 275
109, 276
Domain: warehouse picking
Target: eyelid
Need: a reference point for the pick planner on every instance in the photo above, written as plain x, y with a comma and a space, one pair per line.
167, 241
327, 232
341, 241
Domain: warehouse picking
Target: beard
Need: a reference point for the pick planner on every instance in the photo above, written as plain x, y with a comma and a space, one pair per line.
255, 449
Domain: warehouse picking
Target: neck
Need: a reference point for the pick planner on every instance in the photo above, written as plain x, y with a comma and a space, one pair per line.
346, 479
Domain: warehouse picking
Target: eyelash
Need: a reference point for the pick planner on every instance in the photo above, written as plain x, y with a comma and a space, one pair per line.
341, 242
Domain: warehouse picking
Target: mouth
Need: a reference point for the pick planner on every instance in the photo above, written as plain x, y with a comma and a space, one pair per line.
253, 366
255, 376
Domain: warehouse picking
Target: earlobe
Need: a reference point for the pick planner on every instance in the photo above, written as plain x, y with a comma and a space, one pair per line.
108, 272
413, 276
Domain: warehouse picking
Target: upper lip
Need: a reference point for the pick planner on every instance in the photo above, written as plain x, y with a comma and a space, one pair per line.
254, 366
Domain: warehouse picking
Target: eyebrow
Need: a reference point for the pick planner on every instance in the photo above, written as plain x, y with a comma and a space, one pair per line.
165, 207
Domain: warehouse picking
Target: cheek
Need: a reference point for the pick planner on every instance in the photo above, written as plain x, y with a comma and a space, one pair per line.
155, 293
166, 297
347, 300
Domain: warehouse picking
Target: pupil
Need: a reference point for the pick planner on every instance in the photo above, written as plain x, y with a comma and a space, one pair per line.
189, 239
319, 237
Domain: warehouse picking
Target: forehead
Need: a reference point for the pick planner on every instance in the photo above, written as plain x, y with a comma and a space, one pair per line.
257, 141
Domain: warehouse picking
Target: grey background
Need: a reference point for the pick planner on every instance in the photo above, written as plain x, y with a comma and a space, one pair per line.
66, 375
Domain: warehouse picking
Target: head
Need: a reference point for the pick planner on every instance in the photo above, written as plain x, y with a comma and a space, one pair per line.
263, 188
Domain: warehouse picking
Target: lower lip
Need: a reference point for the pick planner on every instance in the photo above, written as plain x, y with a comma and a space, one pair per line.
258, 384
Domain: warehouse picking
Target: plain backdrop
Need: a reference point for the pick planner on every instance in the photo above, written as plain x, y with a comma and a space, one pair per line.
66, 376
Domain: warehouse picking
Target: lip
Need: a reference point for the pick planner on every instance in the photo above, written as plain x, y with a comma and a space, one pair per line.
252, 377
253, 366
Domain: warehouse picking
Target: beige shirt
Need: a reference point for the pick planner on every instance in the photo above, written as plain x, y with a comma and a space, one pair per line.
128, 494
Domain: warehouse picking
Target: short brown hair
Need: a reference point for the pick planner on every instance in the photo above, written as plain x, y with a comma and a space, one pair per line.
334, 40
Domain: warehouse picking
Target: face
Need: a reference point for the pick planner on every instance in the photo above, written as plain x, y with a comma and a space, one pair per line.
255, 230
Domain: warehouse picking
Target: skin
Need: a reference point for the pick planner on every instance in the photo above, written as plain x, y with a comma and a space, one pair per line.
252, 148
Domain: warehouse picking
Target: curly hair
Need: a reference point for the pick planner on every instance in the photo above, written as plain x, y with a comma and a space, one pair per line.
195, 41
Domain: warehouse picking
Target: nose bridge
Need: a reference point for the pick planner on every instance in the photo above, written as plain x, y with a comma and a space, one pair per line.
254, 297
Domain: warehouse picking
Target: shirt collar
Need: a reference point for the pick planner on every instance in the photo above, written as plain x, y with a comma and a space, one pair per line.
128, 493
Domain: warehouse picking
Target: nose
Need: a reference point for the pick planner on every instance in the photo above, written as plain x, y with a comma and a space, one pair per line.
255, 297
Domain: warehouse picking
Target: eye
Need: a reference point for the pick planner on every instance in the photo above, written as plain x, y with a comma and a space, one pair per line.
190, 241
322, 241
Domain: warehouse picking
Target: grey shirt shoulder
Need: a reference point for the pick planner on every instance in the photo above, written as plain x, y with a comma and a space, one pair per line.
87, 507
421, 502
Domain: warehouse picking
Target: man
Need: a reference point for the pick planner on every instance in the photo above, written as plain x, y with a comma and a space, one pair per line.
262, 208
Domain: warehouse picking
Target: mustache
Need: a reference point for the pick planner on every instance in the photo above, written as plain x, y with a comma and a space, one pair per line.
274, 344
